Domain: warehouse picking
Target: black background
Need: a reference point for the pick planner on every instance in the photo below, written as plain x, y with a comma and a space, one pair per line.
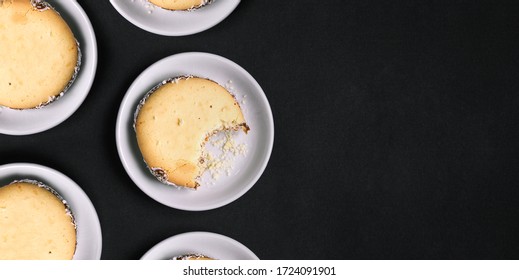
396, 131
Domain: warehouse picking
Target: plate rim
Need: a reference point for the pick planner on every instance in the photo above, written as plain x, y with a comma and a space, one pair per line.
127, 99
30, 167
166, 32
90, 38
198, 234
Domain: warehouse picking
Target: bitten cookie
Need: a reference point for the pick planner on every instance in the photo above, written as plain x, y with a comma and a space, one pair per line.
175, 119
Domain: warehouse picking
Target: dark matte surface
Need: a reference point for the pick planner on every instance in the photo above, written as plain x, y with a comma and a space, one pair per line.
396, 131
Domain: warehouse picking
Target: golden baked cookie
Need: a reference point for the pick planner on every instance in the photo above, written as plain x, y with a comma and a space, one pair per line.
180, 4
39, 55
175, 119
35, 223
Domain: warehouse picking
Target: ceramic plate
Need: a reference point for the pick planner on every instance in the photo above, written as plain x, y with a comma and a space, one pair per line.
89, 240
213, 245
174, 23
23, 122
246, 169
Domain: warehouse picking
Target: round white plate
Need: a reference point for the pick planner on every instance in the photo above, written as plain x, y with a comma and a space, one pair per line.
213, 245
24, 122
174, 23
259, 140
89, 240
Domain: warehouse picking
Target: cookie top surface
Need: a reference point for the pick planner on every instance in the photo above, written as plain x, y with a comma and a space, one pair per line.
179, 4
34, 224
39, 54
174, 121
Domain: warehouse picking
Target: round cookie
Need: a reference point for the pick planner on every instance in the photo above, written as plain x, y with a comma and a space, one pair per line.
35, 223
39, 54
175, 119
180, 4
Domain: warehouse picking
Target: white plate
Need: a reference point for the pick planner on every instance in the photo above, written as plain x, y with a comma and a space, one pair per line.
259, 140
213, 245
24, 122
89, 240
174, 23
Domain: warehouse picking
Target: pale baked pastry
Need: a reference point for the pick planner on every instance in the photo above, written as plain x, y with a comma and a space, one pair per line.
192, 257
180, 4
35, 223
39, 55
175, 119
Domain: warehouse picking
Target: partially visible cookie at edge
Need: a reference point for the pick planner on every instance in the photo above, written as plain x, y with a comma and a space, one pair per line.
36, 223
39, 53
192, 257
180, 5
